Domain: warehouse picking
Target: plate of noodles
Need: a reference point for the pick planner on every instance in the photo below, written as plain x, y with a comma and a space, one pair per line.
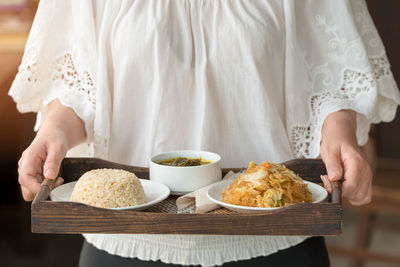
265, 187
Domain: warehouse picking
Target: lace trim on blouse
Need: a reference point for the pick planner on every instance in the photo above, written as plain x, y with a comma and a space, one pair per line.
354, 84
359, 83
62, 69
66, 72
37, 83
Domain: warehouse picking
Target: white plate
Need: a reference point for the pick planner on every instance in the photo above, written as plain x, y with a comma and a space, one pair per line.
155, 193
175, 193
215, 195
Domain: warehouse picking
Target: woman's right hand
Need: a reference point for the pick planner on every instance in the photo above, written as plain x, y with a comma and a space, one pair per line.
41, 159
61, 130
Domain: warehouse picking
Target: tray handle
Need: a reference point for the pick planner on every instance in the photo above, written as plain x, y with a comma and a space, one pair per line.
46, 186
44, 191
336, 195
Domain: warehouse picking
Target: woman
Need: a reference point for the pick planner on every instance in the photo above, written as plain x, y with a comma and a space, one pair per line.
250, 80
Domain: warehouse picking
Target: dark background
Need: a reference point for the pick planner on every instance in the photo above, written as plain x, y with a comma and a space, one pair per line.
18, 247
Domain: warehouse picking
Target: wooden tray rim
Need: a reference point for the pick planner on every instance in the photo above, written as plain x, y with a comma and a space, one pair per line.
63, 217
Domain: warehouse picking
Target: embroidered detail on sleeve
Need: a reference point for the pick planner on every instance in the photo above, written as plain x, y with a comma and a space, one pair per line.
65, 71
353, 84
62, 69
40, 79
349, 68
380, 66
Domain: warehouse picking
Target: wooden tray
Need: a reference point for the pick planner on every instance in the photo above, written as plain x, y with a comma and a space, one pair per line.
71, 218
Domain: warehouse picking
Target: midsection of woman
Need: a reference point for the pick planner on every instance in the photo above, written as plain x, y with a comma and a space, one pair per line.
205, 75
199, 75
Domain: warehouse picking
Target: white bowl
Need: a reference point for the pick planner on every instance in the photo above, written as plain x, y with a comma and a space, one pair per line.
183, 180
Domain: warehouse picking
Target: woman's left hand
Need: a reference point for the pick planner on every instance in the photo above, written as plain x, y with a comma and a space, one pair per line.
343, 158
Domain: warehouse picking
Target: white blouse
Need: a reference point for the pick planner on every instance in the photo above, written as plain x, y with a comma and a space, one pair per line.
250, 80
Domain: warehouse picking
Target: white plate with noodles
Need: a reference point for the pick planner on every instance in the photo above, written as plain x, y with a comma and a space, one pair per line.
215, 194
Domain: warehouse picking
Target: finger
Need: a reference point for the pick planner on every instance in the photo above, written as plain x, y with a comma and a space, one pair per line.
29, 173
27, 194
365, 199
32, 183
55, 155
350, 187
327, 183
352, 178
20, 162
364, 194
333, 163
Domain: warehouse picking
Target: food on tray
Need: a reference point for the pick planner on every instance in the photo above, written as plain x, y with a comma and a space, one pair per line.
267, 185
109, 188
184, 162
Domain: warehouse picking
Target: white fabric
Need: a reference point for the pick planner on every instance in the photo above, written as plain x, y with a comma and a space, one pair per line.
250, 80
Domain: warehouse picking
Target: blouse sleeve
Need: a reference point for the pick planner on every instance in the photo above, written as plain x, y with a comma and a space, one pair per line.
59, 62
335, 60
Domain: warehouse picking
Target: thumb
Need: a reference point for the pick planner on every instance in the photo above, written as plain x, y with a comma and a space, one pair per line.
333, 164
55, 154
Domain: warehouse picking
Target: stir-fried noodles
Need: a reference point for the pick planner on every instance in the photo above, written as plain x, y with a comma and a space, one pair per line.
267, 185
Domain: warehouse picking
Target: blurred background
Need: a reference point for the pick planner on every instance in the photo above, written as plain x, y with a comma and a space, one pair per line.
371, 234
